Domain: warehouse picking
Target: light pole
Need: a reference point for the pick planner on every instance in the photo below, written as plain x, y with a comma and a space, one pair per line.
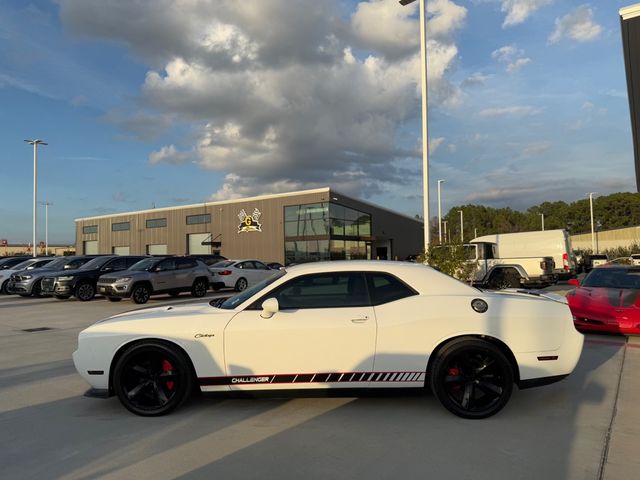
593, 236
46, 226
445, 229
35, 143
440, 182
425, 132
542, 217
461, 226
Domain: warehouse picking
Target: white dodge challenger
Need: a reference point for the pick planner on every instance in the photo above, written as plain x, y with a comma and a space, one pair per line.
330, 325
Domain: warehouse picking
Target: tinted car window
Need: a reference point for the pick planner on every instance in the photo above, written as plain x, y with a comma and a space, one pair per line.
613, 278
132, 261
77, 263
168, 264
117, 264
385, 288
322, 290
260, 266
223, 264
10, 262
185, 263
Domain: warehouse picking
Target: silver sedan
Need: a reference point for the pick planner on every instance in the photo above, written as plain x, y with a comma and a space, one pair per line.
239, 274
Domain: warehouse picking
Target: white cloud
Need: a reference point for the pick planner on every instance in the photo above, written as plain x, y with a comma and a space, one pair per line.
435, 144
512, 56
476, 79
519, 10
524, 110
290, 106
537, 148
518, 64
577, 25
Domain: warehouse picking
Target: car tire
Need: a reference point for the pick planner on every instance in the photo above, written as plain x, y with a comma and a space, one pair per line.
36, 290
152, 378
85, 291
62, 297
472, 378
3, 288
140, 294
199, 288
241, 284
114, 299
502, 280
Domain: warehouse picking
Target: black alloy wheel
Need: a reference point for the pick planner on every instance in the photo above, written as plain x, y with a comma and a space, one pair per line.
199, 288
3, 288
241, 284
472, 378
114, 299
85, 291
152, 379
141, 294
36, 290
503, 280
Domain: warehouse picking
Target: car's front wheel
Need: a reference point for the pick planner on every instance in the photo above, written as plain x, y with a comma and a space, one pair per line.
3, 288
85, 292
152, 378
472, 378
141, 294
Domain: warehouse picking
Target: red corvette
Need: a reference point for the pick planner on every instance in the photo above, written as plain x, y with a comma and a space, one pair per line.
608, 300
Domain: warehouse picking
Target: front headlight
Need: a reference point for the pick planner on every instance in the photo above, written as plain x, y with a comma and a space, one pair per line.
123, 280
26, 277
65, 279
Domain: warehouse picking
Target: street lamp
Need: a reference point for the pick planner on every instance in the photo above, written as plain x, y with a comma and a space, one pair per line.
440, 182
444, 222
593, 235
425, 133
542, 217
46, 226
35, 143
461, 226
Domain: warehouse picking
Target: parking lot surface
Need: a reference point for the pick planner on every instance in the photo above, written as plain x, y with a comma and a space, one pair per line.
585, 427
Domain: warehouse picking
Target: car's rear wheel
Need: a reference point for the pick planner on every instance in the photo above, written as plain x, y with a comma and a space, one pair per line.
472, 378
85, 291
141, 294
36, 290
114, 299
241, 284
199, 288
502, 280
152, 378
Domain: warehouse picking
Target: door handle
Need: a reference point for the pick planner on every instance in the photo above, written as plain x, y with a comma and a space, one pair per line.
359, 320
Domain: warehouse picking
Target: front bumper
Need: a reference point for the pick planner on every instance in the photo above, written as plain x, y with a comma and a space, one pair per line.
23, 287
57, 287
122, 290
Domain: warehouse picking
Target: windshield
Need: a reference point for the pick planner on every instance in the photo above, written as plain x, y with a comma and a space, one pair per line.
95, 263
23, 265
613, 278
146, 264
233, 302
58, 263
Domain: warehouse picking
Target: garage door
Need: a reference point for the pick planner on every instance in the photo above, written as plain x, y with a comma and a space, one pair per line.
90, 247
121, 250
194, 242
156, 249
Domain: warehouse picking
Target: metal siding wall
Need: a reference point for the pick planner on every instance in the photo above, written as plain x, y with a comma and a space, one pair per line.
631, 46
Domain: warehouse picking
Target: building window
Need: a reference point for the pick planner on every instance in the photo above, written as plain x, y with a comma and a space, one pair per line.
310, 220
120, 227
90, 229
198, 219
157, 223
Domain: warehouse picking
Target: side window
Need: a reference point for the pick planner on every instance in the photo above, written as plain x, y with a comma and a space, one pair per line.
132, 260
260, 266
242, 265
168, 264
323, 290
117, 264
385, 288
186, 263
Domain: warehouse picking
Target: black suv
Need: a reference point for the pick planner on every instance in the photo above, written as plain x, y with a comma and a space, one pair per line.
81, 283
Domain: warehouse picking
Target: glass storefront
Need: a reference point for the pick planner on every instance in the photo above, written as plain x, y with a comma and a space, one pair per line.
326, 231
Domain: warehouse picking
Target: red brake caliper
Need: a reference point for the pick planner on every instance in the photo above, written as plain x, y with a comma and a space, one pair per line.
167, 367
454, 372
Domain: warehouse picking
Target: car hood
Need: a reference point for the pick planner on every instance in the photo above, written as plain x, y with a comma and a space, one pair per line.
532, 294
166, 312
43, 272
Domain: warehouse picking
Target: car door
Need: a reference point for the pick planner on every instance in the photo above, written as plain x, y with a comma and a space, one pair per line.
162, 277
323, 336
185, 272
261, 270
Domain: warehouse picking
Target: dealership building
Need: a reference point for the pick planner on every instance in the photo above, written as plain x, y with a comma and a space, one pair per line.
295, 227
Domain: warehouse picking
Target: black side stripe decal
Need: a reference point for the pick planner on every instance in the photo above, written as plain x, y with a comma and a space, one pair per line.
334, 377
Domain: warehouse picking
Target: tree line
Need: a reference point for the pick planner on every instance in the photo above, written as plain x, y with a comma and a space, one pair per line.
618, 210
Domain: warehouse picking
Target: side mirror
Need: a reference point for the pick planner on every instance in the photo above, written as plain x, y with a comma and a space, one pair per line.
269, 308
574, 281
107, 269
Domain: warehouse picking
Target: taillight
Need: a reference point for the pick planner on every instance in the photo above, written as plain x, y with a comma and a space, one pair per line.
565, 261
225, 272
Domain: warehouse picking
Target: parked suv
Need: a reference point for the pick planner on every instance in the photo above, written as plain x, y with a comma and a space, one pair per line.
208, 258
29, 282
156, 275
26, 264
81, 283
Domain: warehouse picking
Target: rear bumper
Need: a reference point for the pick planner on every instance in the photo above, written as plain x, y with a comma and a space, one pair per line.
539, 382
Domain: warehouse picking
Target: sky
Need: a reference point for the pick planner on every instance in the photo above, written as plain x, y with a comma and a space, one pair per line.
161, 103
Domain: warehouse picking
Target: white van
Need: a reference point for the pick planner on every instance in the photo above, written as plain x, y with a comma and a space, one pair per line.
542, 243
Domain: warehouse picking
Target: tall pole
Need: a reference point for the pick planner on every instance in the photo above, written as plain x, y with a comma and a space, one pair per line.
46, 226
542, 217
425, 132
444, 222
440, 182
593, 235
35, 143
461, 226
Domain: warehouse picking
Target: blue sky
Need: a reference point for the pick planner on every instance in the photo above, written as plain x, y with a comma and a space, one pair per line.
144, 103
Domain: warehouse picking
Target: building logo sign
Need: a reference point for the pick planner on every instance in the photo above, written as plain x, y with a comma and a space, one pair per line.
249, 223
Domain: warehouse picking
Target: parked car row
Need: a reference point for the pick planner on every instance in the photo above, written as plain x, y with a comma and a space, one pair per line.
128, 276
